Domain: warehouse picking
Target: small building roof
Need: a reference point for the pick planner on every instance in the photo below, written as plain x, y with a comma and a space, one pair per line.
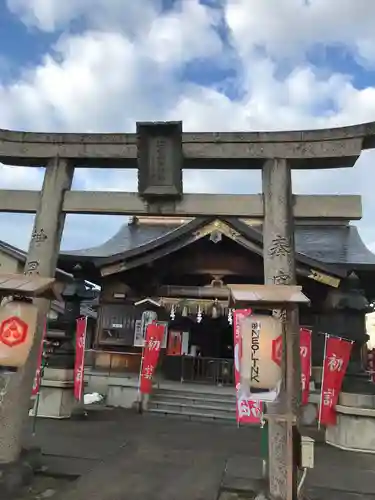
21, 255
29, 286
267, 295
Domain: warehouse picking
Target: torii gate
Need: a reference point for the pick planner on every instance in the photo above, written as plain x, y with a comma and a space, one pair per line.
160, 151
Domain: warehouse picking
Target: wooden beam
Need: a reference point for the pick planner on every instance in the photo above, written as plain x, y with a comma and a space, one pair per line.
343, 207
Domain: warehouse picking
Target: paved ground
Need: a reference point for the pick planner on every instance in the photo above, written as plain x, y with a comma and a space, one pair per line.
121, 455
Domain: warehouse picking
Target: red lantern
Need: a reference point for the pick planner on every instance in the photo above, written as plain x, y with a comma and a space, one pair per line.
277, 350
18, 321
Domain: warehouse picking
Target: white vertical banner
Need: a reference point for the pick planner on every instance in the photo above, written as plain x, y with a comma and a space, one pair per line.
163, 344
138, 334
185, 344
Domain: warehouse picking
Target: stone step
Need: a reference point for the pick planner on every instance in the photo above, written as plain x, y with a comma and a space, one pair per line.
194, 400
203, 403
196, 415
199, 393
187, 408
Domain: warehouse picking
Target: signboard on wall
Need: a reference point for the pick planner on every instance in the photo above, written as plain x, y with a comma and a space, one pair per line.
138, 334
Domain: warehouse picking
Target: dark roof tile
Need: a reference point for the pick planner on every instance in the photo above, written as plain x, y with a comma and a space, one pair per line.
127, 238
329, 244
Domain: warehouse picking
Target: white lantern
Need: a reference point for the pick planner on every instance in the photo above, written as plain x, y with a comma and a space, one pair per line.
261, 336
18, 321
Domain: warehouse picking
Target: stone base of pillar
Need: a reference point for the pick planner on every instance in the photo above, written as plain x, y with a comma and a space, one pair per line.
355, 426
56, 398
15, 476
358, 383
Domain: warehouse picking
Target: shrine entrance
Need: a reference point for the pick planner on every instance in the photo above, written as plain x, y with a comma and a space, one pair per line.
205, 355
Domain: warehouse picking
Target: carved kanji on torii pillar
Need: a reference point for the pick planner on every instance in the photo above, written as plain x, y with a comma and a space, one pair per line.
160, 151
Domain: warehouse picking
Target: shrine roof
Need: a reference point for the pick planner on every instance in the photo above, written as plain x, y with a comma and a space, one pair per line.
334, 245
128, 237
20, 256
330, 244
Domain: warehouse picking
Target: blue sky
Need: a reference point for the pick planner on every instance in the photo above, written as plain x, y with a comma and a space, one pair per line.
101, 65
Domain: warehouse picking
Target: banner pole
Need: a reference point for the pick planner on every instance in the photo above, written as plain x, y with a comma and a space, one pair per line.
139, 381
139, 395
81, 396
36, 408
79, 361
321, 386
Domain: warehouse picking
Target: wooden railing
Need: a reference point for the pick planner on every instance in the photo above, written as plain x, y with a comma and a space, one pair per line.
113, 362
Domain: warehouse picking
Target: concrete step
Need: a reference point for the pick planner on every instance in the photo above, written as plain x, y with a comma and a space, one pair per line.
193, 400
219, 392
195, 403
186, 408
196, 415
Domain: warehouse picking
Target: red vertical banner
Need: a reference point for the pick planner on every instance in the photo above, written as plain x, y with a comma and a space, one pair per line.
305, 354
151, 350
248, 411
174, 343
38, 373
336, 359
79, 365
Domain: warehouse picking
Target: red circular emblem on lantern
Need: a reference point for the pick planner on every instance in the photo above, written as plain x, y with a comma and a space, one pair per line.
277, 346
13, 331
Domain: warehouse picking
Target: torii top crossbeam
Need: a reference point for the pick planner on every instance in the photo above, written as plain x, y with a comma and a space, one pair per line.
325, 148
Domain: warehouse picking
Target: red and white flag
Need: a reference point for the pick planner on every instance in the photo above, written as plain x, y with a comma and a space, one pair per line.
248, 411
151, 350
305, 355
38, 373
336, 359
79, 365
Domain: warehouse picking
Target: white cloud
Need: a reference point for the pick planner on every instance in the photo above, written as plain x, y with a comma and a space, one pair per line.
184, 34
52, 15
291, 27
126, 65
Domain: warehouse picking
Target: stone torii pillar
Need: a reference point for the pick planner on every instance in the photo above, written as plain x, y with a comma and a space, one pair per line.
279, 269
41, 261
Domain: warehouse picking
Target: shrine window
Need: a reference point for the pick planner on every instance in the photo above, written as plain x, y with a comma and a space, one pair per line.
117, 324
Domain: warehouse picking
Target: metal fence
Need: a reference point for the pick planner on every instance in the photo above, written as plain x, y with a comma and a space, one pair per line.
216, 371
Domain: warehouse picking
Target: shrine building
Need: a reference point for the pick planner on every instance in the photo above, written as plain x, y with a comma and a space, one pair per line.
178, 271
